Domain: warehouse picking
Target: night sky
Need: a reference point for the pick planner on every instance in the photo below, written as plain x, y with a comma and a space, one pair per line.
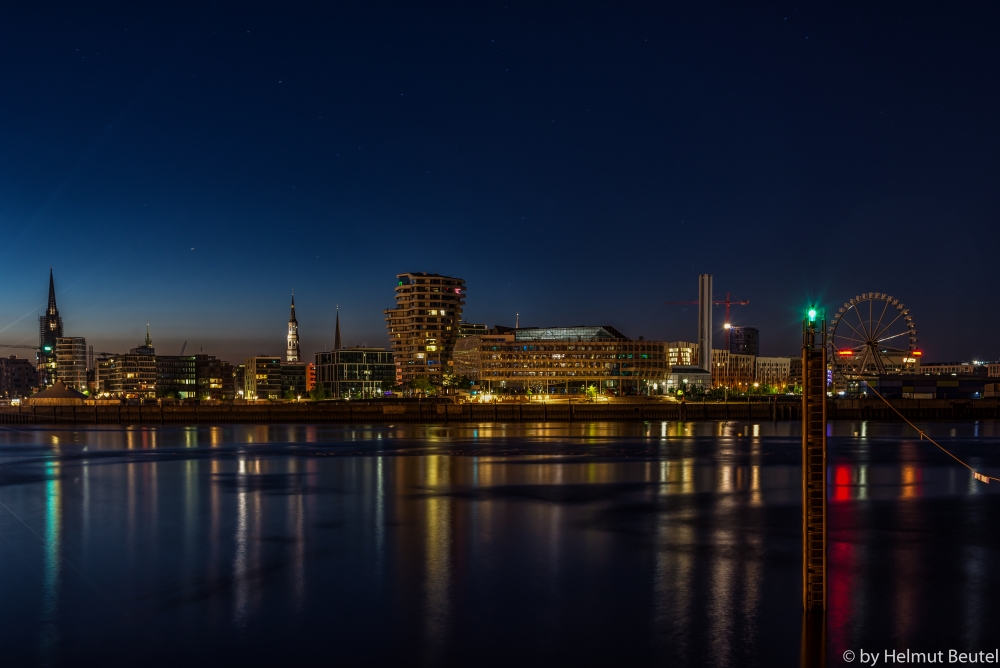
578, 163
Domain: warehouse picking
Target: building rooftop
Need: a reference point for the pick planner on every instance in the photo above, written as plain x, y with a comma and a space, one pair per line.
59, 390
424, 274
574, 333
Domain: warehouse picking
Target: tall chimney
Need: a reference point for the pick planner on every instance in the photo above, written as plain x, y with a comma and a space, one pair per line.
705, 322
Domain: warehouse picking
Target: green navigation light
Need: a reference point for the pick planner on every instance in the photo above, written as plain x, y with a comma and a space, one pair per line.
812, 315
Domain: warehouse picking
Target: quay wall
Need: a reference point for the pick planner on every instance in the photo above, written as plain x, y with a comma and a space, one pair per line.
438, 412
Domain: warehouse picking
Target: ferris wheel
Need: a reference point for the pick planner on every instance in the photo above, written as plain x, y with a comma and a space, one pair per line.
871, 335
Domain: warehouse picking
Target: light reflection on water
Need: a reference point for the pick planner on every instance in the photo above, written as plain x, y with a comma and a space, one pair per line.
584, 543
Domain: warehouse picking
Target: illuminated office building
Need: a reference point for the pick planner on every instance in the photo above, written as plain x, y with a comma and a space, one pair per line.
262, 378
133, 375
176, 376
355, 372
213, 377
471, 329
552, 360
773, 372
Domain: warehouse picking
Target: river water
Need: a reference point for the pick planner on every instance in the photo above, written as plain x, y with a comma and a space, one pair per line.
491, 545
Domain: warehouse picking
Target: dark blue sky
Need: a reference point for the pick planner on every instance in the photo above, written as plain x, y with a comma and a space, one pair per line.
191, 164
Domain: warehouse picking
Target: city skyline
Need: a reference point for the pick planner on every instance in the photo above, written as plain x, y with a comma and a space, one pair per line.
242, 347
607, 157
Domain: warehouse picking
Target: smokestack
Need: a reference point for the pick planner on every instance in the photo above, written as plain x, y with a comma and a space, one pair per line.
705, 322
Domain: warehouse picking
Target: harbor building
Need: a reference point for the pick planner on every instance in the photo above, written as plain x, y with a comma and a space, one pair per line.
133, 375
688, 378
773, 372
423, 326
358, 372
176, 376
744, 340
262, 378
293, 380
554, 360
213, 377
953, 368
471, 329
732, 371
18, 377
71, 361
682, 353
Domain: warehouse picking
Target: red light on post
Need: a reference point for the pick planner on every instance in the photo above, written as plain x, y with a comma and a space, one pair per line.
845, 353
916, 353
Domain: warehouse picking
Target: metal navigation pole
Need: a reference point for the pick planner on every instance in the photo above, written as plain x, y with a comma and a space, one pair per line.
814, 525
814, 564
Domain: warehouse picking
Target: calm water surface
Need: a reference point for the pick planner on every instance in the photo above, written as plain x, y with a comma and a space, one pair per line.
634, 544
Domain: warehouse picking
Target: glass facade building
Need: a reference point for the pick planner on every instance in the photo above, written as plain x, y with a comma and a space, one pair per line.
176, 376
293, 379
744, 340
355, 372
553, 360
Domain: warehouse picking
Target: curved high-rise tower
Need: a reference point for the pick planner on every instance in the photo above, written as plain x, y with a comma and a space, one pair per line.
422, 347
292, 354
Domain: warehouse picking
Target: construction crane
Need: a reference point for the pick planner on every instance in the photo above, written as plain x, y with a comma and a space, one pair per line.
18, 345
183, 347
728, 301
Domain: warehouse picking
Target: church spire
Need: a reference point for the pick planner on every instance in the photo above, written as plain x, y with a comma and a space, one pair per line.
292, 353
52, 296
50, 328
149, 339
336, 336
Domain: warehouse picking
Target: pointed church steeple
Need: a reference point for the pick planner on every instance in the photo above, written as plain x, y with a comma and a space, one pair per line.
292, 352
52, 310
336, 336
50, 328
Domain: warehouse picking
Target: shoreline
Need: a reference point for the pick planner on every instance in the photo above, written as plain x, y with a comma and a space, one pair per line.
441, 413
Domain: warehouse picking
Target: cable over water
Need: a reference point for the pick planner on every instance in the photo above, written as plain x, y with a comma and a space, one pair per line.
981, 477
